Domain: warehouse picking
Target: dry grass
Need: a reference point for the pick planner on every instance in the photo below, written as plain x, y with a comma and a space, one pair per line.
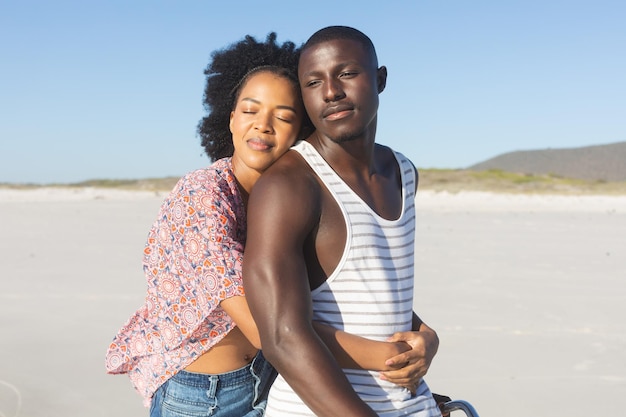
450, 180
147, 184
508, 182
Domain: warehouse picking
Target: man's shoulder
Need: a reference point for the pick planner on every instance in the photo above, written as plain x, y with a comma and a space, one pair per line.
391, 159
289, 184
389, 155
290, 166
387, 151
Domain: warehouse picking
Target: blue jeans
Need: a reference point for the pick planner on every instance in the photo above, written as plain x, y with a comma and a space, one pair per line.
240, 393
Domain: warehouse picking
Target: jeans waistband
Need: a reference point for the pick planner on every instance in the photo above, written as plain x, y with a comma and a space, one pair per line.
235, 377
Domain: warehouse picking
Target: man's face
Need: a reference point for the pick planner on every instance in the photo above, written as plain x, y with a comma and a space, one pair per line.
340, 87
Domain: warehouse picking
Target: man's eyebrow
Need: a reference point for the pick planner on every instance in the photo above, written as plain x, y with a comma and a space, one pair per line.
340, 66
311, 73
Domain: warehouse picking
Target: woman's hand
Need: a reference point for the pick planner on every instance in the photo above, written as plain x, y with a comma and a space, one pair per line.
409, 367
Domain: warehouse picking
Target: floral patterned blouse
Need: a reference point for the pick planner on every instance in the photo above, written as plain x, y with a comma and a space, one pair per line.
192, 261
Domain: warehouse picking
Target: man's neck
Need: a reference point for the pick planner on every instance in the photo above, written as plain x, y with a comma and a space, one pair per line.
355, 156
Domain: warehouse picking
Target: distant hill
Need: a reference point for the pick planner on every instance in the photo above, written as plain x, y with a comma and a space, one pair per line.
592, 163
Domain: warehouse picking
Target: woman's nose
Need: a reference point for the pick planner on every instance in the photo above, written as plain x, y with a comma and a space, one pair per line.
263, 123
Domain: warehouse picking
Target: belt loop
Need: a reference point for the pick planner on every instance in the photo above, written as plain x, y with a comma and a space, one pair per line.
213, 383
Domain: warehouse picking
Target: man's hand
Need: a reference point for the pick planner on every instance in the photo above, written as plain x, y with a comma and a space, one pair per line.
413, 364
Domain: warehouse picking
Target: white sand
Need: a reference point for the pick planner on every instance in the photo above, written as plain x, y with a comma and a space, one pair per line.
528, 294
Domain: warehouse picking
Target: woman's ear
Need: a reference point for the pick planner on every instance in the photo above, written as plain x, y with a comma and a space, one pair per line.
230, 123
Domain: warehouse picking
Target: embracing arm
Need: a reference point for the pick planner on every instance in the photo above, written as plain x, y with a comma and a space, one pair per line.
356, 352
277, 289
405, 356
350, 351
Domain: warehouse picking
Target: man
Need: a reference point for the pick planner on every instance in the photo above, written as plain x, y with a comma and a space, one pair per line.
331, 237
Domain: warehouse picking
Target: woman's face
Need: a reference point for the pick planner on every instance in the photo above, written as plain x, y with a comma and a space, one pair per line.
264, 124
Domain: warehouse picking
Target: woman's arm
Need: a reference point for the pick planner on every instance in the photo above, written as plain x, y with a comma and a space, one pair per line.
403, 356
350, 351
355, 352
237, 308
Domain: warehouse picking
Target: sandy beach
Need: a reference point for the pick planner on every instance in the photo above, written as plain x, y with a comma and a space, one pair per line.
527, 293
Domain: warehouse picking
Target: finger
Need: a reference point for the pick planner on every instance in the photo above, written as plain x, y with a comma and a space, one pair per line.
403, 382
398, 374
396, 337
400, 337
410, 357
400, 360
399, 363
399, 377
401, 373
409, 372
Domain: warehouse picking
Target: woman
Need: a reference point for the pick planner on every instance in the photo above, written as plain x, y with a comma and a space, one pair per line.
193, 348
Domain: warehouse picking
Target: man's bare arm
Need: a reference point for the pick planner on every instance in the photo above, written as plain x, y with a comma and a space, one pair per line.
282, 210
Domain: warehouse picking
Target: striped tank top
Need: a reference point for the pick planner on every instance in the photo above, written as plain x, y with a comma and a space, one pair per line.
369, 294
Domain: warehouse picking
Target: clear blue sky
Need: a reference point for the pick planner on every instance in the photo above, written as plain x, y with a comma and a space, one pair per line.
113, 89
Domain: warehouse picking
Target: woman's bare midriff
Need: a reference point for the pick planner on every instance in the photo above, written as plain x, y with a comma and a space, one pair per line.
234, 351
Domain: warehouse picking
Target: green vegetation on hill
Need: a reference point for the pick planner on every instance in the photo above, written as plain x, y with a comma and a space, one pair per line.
450, 180
147, 184
456, 180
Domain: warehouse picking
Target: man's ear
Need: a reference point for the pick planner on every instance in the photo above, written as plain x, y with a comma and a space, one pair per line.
381, 76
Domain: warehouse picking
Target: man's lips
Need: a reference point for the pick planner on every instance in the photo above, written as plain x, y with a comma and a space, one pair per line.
337, 112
